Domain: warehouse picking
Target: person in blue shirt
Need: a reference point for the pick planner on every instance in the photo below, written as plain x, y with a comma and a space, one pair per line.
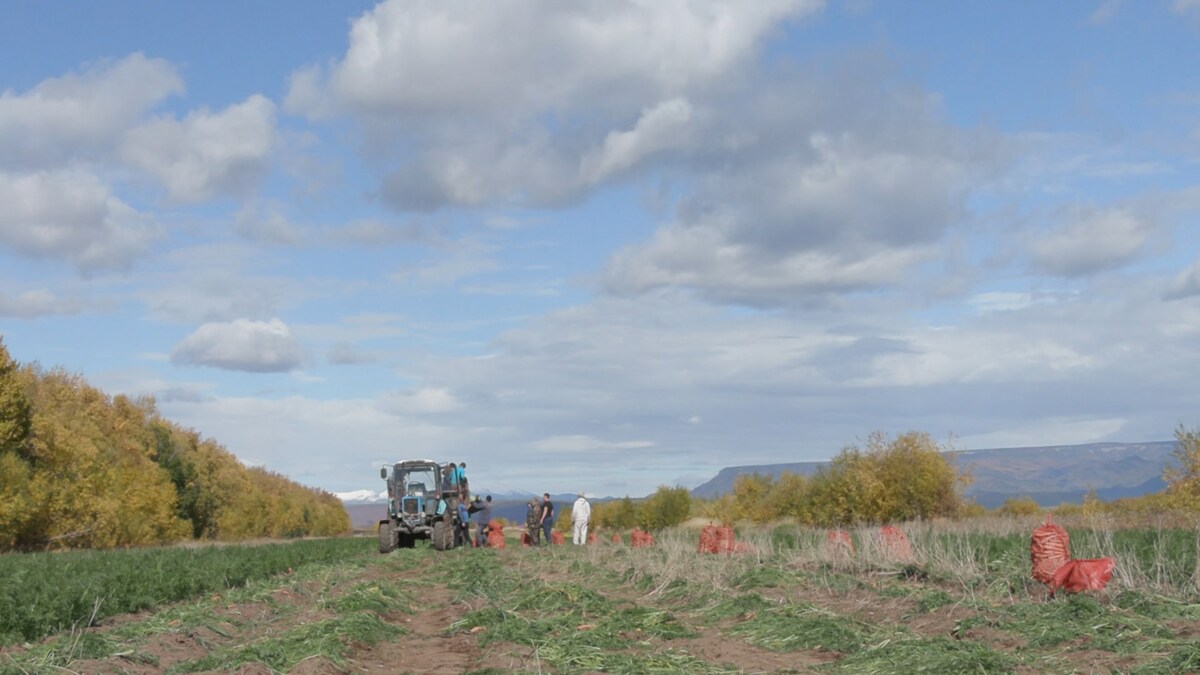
462, 529
464, 493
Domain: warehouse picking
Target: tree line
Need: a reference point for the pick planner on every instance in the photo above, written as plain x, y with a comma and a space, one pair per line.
908, 477
890, 480
81, 469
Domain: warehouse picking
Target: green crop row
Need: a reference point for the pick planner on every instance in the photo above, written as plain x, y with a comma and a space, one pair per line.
43, 593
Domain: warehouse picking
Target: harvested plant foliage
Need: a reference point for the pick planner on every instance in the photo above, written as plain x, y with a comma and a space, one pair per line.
964, 602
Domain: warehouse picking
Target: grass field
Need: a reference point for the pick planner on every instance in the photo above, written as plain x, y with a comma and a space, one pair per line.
965, 603
43, 593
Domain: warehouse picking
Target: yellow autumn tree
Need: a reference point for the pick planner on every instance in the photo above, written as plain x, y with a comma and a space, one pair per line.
79, 468
16, 427
898, 479
1183, 477
748, 501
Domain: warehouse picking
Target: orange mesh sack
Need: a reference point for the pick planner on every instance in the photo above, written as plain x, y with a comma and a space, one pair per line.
839, 544
1083, 575
715, 539
616, 539
895, 544
592, 538
1049, 549
725, 542
526, 540
640, 539
557, 538
495, 535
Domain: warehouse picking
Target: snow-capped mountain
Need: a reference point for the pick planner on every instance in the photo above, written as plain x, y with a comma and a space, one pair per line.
361, 496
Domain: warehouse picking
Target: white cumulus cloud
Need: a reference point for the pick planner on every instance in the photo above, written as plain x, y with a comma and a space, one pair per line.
1092, 241
35, 303
206, 153
252, 346
586, 92
421, 401
79, 115
71, 214
662, 127
1186, 284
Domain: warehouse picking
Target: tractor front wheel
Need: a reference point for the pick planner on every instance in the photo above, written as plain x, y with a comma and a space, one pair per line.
442, 536
387, 537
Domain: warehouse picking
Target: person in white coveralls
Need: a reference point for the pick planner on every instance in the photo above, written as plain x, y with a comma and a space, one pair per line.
581, 513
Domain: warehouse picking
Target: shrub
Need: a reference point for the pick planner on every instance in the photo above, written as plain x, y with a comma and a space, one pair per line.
1019, 506
665, 508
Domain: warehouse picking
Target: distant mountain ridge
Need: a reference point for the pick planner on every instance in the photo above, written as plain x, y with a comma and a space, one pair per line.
1048, 474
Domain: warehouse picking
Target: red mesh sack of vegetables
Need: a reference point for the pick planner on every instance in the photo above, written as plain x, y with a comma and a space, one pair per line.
1049, 549
557, 538
616, 539
1083, 575
839, 544
526, 540
640, 539
495, 535
592, 538
725, 542
895, 544
708, 540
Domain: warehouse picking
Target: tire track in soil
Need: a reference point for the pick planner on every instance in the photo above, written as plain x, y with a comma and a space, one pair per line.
711, 644
428, 647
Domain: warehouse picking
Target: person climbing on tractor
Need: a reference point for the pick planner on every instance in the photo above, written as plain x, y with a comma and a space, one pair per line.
464, 492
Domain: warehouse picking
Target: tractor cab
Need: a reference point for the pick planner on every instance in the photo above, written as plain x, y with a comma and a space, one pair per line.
413, 488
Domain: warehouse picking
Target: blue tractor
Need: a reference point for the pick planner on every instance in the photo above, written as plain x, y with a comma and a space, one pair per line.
415, 487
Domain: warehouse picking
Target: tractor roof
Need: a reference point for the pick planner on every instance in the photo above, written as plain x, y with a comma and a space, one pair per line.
416, 462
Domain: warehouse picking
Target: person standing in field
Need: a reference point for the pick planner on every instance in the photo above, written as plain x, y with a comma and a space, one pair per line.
581, 513
533, 525
462, 530
547, 518
484, 509
450, 478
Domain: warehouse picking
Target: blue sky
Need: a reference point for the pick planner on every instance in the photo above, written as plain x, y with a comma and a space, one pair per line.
604, 246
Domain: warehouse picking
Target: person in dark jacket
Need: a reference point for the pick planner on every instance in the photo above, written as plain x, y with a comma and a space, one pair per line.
484, 509
533, 524
547, 520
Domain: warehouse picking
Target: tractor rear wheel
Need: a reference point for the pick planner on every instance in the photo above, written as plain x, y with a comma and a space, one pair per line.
387, 537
